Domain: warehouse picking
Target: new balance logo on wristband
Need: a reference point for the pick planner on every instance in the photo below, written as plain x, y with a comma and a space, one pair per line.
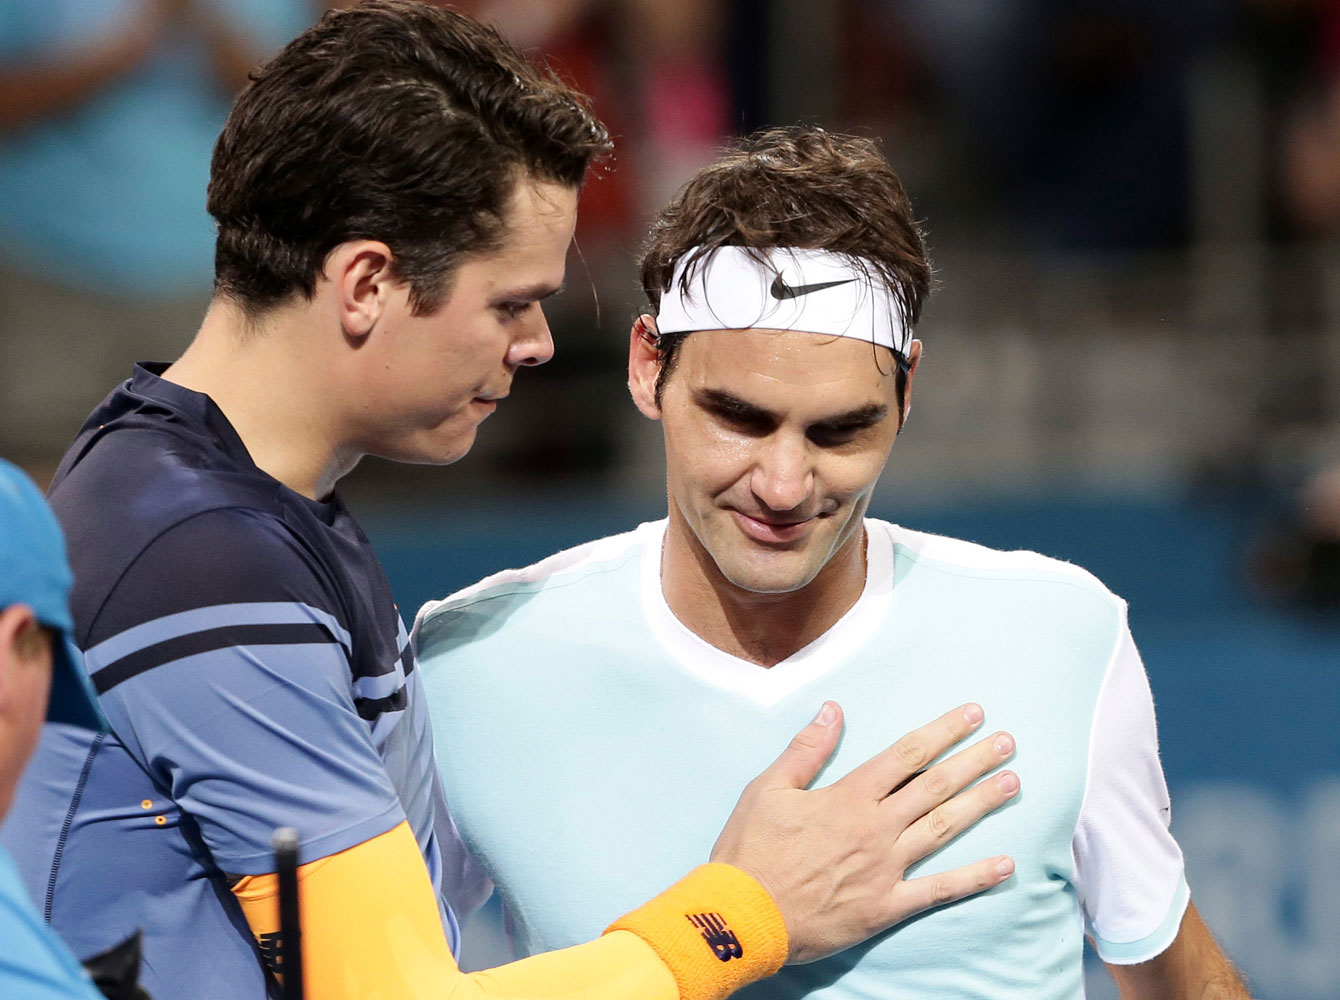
720, 938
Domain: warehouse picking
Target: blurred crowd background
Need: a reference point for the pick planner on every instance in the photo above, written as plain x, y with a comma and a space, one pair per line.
1132, 355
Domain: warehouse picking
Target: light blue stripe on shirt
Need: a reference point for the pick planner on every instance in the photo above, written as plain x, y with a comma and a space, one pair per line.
150, 633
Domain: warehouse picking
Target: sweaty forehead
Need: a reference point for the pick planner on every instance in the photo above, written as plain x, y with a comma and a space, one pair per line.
787, 362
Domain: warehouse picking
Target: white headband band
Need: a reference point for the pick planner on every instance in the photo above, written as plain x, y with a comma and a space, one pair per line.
814, 291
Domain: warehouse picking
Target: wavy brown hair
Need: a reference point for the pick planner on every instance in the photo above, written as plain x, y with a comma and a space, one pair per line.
394, 121
799, 187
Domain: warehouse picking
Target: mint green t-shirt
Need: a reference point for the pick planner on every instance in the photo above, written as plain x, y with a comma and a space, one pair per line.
591, 748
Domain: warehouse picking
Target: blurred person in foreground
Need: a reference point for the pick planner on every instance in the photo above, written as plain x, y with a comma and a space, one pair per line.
39, 679
395, 196
785, 281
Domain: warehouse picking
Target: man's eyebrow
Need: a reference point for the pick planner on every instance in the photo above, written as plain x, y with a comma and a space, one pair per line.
732, 405
862, 416
527, 293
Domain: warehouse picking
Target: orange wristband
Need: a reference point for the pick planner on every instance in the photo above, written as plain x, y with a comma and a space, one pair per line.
716, 929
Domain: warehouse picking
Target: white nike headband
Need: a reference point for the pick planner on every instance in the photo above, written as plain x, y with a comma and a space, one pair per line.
783, 288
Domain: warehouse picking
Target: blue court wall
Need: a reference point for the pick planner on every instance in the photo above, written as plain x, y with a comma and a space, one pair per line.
1248, 694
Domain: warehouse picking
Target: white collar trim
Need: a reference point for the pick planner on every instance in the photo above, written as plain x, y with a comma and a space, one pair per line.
768, 685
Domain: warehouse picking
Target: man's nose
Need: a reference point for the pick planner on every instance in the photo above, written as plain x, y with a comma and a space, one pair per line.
783, 476
535, 345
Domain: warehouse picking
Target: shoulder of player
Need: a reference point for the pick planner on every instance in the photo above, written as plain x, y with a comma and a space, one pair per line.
970, 559
131, 488
560, 569
136, 482
149, 507
236, 537
217, 558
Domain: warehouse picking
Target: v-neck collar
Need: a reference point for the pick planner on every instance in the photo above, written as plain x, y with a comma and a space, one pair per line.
769, 685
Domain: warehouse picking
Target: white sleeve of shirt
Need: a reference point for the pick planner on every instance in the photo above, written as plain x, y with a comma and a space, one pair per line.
1128, 868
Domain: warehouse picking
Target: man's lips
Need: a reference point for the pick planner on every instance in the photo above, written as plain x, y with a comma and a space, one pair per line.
768, 530
489, 401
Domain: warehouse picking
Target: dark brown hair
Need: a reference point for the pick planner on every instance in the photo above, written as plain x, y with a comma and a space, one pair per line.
395, 121
797, 187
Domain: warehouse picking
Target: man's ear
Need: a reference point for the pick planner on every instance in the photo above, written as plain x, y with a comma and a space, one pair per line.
360, 274
913, 359
644, 366
17, 623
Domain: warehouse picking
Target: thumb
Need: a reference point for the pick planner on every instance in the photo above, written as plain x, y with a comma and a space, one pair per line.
807, 752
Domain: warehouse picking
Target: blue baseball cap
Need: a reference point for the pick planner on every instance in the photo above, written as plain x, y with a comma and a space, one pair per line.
34, 571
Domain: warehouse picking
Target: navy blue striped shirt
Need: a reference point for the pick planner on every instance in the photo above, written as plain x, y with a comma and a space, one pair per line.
256, 673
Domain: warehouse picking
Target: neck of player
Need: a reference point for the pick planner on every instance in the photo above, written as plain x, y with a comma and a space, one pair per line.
269, 380
761, 628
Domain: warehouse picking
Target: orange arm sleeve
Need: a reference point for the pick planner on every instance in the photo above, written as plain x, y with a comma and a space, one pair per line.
371, 928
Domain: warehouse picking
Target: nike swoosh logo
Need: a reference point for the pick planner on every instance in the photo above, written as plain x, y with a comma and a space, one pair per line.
781, 291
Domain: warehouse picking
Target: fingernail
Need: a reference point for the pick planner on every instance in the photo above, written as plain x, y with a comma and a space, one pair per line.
973, 713
826, 714
1004, 743
1005, 866
1008, 782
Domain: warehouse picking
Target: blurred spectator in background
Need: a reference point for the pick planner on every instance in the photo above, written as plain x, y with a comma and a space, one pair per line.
685, 102
1320, 516
1300, 561
108, 113
1309, 90
1074, 112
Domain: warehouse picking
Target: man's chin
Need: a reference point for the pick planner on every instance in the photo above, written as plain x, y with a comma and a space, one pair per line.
430, 451
769, 583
